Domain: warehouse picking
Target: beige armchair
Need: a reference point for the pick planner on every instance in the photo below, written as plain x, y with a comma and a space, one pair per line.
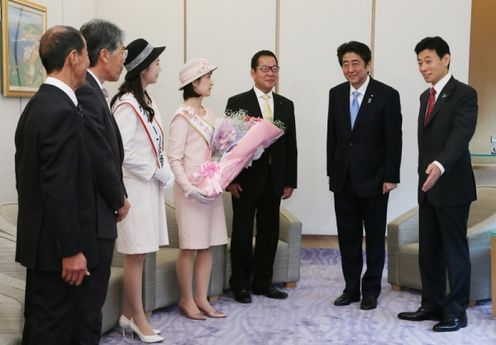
13, 286
160, 287
287, 260
403, 268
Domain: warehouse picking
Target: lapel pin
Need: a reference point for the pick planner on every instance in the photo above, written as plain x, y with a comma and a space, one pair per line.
370, 99
444, 95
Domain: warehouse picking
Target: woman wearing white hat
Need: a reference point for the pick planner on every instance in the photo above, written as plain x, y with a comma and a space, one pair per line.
201, 220
146, 173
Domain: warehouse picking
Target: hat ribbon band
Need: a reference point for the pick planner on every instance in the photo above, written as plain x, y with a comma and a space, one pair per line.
140, 58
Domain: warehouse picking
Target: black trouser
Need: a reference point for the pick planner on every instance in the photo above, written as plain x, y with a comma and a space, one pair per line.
94, 291
244, 260
443, 248
353, 213
49, 309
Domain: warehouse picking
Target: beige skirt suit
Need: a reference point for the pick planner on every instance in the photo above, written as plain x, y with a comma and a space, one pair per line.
200, 225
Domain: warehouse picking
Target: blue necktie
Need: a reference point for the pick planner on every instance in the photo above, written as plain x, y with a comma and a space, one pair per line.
355, 106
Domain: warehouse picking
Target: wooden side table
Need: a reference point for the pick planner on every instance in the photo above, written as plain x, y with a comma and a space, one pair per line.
492, 233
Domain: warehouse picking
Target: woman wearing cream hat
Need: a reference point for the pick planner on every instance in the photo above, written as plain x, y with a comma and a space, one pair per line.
146, 173
201, 220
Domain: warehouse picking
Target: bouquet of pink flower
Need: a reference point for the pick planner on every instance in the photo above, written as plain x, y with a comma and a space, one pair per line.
237, 141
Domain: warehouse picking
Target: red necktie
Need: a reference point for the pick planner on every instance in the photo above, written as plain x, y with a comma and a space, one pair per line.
430, 105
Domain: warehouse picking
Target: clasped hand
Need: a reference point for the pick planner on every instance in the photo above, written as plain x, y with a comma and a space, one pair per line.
200, 195
74, 269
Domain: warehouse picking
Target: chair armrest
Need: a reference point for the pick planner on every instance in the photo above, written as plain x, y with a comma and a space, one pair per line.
404, 229
289, 227
478, 235
290, 232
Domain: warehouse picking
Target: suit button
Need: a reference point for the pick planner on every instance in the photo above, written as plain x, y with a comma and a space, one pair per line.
351, 144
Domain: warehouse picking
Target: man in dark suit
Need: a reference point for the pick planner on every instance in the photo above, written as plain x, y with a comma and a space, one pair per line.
56, 225
259, 188
446, 123
363, 164
106, 53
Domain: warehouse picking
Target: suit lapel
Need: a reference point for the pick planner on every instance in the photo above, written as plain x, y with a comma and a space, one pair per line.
278, 113
444, 95
253, 104
423, 108
95, 85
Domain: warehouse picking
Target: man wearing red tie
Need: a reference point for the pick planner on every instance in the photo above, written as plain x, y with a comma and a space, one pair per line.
446, 123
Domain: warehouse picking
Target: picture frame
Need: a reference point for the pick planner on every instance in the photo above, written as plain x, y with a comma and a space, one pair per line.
23, 23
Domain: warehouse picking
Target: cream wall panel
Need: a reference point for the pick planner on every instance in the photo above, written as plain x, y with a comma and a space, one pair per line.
400, 25
310, 36
77, 12
160, 23
66, 12
228, 33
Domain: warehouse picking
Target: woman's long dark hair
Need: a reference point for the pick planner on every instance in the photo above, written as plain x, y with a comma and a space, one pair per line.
135, 86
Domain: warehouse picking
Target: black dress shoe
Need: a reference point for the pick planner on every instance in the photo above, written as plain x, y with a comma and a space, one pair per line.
242, 296
368, 303
346, 299
421, 314
271, 292
451, 324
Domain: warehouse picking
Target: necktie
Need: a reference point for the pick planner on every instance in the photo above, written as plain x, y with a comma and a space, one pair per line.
430, 106
355, 106
267, 112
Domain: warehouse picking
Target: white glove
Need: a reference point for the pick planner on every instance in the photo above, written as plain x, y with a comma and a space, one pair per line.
200, 195
164, 175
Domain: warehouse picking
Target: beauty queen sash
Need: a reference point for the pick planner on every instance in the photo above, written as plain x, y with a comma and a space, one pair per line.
153, 129
205, 129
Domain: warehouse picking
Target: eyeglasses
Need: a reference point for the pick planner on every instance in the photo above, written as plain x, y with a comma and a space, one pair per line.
266, 69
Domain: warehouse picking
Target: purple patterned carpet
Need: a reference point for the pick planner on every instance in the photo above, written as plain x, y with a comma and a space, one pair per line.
308, 316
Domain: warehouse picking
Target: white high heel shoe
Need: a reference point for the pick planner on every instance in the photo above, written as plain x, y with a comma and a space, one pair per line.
124, 325
144, 338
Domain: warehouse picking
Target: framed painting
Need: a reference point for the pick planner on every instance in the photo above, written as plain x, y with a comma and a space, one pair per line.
23, 23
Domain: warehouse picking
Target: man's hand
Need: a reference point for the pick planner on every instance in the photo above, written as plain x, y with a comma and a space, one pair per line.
235, 189
74, 269
287, 192
388, 186
123, 211
433, 172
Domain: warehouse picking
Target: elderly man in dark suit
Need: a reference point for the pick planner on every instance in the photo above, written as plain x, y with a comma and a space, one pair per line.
364, 141
259, 188
446, 123
56, 226
106, 53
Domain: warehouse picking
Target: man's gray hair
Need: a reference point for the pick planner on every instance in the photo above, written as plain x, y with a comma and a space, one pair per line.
100, 34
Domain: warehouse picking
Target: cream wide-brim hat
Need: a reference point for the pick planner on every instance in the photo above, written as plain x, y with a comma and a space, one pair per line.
194, 69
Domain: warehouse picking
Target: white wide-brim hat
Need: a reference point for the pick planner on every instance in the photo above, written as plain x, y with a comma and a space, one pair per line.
194, 69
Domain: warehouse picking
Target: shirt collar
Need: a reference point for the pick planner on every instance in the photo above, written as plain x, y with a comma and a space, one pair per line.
362, 88
442, 83
100, 85
62, 86
260, 93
